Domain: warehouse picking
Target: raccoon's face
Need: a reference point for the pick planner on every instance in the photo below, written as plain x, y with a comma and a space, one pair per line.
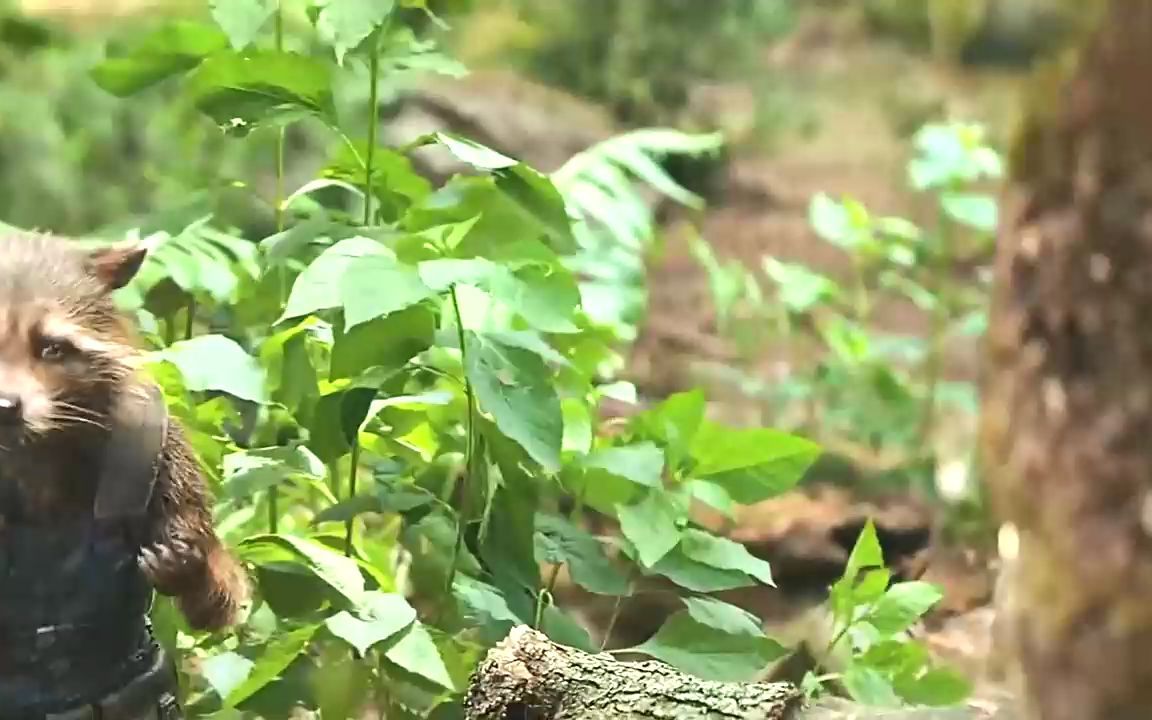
63, 352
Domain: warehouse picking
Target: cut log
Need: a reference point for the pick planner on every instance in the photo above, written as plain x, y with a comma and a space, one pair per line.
529, 677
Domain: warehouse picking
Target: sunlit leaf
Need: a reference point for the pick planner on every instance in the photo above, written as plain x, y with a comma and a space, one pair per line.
175, 48
559, 541
652, 526
242, 19
752, 464
341, 573
345, 24
242, 91
416, 653
214, 362
516, 388
379, 617
708, 653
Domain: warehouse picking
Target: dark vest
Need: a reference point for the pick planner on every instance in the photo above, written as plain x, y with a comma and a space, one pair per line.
74, 604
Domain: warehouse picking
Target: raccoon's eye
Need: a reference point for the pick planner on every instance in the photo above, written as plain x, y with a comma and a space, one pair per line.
55, 349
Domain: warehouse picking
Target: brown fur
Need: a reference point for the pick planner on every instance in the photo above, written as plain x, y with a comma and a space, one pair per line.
51, 291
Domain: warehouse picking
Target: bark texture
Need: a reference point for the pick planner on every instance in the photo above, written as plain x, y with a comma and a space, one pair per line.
528, 677
1068, 395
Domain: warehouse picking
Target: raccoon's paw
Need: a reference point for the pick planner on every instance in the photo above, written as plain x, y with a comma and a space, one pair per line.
220, 599
170, 564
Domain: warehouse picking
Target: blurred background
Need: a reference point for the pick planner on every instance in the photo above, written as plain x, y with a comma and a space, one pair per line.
834, 283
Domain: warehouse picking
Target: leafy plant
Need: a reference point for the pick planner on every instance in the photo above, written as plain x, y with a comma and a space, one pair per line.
852, 387
614, 226
872, 616
396, 395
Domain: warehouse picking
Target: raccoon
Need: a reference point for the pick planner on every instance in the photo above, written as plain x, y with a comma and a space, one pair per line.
68, 356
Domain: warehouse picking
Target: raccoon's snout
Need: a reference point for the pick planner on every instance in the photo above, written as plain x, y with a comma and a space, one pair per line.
11, 410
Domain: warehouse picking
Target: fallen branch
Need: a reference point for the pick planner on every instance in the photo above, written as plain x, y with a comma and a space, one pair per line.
529, 677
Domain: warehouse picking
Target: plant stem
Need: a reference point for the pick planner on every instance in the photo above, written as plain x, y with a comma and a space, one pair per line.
373, 125
354, 471
933, 360
616, 609
274, 492
280, 131
470, 457
190, 318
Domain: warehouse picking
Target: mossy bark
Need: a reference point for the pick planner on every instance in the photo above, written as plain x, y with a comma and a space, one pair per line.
1068, 395
528, 677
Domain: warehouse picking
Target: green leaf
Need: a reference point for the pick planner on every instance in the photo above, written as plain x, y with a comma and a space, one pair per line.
800, 289
328, 427
707, 653
418, 654
674, 423
725, 554
386, 342
516, 388
866, 552
697, 576
274, 660
375, 285
869, 687
379, 617
642, 463
250, 471
474, 153
508, 536
722, 616
242, 19
531, 192
243, 91
320, 286
577, 426
483, 603
751, 464
652, 526
537, 196
903, 604
559, 541
340, 573
394, 182
340, 685
344, 24
937, 687
976, 211
562, 628
173, 49
214, 362
226, 671
545, 297
830, 220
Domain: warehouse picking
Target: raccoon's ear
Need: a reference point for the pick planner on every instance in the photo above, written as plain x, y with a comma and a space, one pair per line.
115, 267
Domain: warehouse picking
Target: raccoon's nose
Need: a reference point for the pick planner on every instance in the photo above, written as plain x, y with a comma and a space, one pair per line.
11, 409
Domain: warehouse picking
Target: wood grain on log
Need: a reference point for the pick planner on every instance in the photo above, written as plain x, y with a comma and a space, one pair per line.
529, 677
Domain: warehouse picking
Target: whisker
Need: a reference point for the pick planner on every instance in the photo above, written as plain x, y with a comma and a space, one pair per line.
59, 420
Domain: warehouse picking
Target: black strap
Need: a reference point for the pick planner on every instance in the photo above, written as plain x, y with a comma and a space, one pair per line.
131, 461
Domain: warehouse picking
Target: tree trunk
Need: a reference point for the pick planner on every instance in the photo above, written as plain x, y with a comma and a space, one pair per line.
528, 677
1068, 399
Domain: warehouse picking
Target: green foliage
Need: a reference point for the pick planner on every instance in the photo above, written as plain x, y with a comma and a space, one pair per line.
872, 616
394, 402
853, 385
395, 396
641, 58
75, 159
613, 225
